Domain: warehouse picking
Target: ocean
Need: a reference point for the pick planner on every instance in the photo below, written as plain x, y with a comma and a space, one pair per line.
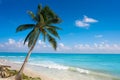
104, 63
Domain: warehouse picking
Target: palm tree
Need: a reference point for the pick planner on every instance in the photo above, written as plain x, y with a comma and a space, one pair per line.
44, 19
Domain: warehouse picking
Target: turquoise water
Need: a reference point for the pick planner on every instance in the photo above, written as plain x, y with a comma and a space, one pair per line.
106, 63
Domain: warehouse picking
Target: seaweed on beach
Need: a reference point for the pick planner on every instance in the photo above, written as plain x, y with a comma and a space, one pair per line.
5, 72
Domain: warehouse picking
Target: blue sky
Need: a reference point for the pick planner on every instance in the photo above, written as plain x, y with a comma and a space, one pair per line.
88, 25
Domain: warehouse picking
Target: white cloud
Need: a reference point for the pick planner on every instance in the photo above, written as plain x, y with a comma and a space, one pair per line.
13, 46
82, 47
85, 22
1, 45
98, 48
63, 48
103, 47
11, 41
81, 23
61, 45
89, 20
17, 46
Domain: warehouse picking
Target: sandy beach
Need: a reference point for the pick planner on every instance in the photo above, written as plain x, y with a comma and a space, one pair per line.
54, 74
27, 71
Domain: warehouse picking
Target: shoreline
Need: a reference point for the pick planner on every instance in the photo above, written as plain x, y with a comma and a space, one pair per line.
54, 74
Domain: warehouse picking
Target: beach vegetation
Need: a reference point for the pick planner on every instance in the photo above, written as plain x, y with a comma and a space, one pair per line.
6, 72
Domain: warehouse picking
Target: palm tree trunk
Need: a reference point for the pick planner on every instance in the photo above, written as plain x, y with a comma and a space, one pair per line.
19, 75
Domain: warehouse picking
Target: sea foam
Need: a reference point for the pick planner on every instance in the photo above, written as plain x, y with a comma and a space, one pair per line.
53, 65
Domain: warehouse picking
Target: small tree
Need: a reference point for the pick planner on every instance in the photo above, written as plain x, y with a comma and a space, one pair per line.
44, 20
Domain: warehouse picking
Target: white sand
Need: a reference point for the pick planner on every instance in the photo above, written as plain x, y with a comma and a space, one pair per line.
55, 74
27, 71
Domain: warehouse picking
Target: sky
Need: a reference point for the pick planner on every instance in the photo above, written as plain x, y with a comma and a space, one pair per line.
89, 26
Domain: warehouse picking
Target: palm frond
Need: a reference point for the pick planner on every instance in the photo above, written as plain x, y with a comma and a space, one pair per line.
44, 35
33, 37
41, 19
39, 7
32, 15
26, 39
52, 41
39, 12
30, 42
54, 27
54, 21
49, 12
44, 15
53, 32
24, 27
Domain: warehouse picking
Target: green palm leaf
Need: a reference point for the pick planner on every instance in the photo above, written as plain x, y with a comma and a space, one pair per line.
53, 32
48, 15
54, 27
44, 34
41, 19
33, 37
32, 15
56, 20
52, 41
26, 39
44, 15
39, 7
49, 12
39, 12
24, 27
